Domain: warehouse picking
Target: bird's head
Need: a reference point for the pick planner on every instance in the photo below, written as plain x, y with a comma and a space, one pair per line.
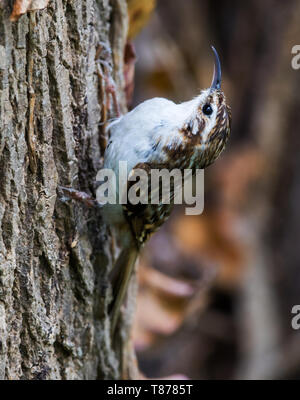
209, 127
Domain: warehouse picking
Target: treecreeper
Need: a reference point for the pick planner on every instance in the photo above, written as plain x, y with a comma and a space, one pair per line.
157, 134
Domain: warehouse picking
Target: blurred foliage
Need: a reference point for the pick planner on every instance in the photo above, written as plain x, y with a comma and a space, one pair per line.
139, 12
216, 290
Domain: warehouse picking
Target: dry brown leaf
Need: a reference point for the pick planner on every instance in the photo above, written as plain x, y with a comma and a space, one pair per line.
129, 71
239, 172
212, 237
139, 12
22, 6
167, 285
162, 305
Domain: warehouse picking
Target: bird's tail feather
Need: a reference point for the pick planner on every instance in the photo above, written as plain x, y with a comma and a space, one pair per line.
123, 270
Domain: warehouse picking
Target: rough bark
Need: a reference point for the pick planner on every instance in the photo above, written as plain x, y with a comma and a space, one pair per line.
54, 256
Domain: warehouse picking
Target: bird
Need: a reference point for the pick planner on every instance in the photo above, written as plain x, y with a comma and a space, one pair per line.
156, 134
160, 134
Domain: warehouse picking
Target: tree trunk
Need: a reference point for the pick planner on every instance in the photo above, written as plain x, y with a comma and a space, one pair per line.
55, 256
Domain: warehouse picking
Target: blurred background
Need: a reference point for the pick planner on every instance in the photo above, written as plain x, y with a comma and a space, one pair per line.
216, 290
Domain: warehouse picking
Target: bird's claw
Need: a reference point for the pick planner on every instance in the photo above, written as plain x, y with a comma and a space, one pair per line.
73, 194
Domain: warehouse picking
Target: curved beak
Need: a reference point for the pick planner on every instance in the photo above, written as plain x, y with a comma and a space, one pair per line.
216, 82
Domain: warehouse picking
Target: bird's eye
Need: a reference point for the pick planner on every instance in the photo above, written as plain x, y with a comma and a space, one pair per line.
207, 109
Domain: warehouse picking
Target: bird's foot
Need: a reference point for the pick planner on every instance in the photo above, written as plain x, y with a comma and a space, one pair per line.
82, 197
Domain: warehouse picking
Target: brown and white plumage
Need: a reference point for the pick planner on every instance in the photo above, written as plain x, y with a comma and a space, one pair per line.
160, 134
